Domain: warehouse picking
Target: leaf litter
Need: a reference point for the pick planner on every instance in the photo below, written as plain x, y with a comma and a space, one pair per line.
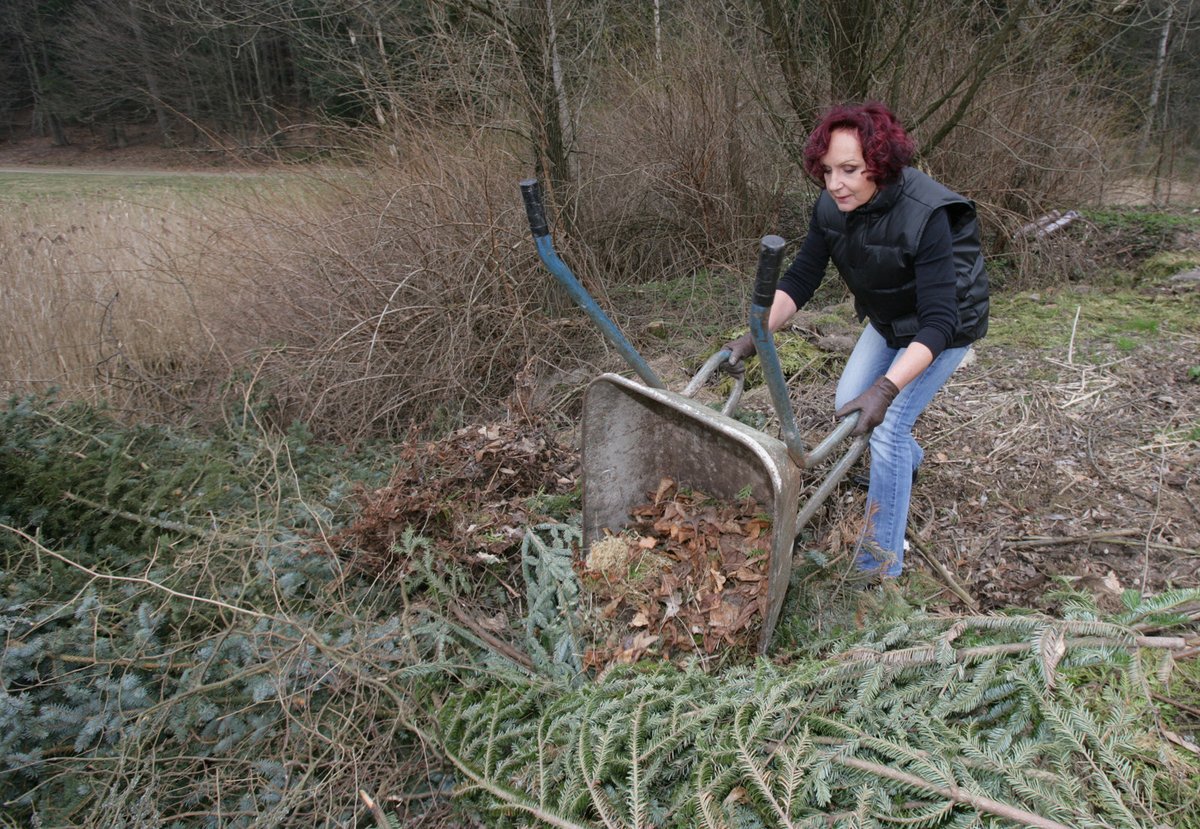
689, 576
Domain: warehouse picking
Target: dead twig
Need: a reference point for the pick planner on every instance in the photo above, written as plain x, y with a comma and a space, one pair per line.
1128, 538
1182, 706
380, 818
500, 646
946, 575
146, 582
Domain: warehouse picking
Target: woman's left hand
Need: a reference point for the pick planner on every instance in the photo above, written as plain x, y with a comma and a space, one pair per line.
873, 403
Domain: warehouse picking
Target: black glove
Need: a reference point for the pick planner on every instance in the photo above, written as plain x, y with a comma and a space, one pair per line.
739, 350
873, 403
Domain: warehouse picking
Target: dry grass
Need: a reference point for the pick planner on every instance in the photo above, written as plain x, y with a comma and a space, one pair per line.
96, 301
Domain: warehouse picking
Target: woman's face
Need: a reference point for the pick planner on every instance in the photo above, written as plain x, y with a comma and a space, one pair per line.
845, 171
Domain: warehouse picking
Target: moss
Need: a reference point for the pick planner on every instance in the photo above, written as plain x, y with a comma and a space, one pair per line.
1169, 263
1047, 319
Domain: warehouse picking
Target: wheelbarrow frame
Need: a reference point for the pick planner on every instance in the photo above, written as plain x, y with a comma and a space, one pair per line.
636, 433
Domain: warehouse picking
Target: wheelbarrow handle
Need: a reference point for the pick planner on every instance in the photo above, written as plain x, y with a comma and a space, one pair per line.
707, 370
770, 256
535, 209
531, 192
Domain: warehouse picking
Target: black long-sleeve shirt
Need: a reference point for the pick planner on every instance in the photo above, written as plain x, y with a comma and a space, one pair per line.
937, 301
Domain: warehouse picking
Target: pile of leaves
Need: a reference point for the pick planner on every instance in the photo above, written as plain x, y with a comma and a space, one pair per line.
690, 576
468, 493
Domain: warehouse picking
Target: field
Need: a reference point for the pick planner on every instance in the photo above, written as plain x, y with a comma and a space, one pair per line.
217, 613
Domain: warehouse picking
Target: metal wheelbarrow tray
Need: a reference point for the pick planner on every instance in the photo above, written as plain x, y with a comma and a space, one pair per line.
637, 433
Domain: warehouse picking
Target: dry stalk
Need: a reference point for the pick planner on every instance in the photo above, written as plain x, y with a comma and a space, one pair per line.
137, 580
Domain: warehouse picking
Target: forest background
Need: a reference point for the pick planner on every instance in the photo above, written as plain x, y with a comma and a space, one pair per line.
289, 496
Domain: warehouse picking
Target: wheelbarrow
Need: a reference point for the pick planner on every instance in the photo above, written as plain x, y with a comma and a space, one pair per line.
636, 433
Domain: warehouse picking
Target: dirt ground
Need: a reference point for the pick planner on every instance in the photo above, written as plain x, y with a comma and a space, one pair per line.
1040, 468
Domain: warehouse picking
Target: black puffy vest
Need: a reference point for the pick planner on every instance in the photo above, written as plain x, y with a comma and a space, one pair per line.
874, 247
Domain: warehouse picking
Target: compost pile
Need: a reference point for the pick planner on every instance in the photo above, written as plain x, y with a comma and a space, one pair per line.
689, 576
470, 493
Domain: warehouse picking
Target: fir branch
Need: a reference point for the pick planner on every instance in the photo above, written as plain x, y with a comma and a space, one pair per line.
70, 428
145, 582
758, 775
505, 795
160, 523
932, 654
953, 793
637, 805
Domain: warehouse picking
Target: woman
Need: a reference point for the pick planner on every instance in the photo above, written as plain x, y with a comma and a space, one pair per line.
908, 249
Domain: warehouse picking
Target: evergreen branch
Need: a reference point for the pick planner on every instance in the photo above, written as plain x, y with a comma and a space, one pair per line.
110, 448
930, 654
637, 806
505, 795
952, 792
758, 776
160, 523
145, 582
590, 779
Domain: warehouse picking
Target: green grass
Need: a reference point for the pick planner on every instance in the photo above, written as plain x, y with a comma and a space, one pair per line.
1123, 317
1169, 263
1141, 220
703, 304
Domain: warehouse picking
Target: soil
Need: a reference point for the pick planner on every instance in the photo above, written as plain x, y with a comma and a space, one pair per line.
1043, 471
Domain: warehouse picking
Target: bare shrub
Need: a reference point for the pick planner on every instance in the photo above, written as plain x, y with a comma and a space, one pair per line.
404, 293
682, 170
1026, 149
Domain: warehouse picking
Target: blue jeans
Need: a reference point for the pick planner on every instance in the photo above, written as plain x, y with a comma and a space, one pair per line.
895, 454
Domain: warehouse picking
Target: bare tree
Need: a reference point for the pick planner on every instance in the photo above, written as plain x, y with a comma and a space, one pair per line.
32, 24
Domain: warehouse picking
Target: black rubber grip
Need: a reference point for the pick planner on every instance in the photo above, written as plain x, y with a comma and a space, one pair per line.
531, 191
770, 255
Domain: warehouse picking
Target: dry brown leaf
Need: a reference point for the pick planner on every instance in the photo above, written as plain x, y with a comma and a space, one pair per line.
1182, 742
674, 603
495, 624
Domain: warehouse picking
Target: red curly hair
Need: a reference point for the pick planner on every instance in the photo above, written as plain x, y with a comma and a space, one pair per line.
886, 147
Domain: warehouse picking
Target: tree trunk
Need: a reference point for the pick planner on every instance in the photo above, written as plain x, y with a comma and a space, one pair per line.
562, 110
1160, 69
852, 41
780, 30
151, 77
